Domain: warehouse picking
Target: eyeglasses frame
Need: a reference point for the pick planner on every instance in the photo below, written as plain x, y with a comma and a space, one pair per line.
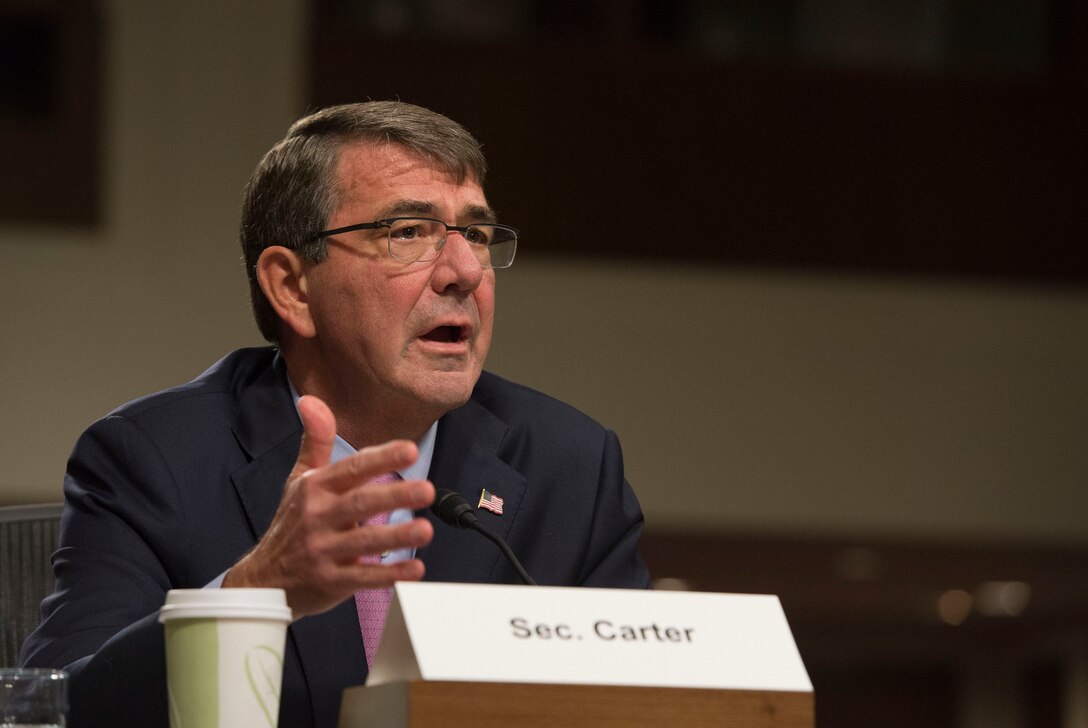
388, 223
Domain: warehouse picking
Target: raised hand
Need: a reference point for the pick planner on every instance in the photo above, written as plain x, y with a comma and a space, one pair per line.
314, 546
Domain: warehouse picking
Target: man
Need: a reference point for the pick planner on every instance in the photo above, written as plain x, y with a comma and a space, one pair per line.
371, 253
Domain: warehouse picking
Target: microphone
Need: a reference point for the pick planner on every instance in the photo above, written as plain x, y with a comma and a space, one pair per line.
451, 508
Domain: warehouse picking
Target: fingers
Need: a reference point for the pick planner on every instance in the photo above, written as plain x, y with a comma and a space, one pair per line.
365, 501
380, 576
358, 576
319, 434
367, 464
350, 547
314, 547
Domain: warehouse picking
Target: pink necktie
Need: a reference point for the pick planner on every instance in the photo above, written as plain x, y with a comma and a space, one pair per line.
373, 604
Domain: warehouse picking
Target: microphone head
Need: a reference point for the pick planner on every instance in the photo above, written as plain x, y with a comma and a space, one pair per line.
451, 508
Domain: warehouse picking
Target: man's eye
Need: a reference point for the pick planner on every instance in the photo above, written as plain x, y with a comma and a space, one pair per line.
476, 235
407, 232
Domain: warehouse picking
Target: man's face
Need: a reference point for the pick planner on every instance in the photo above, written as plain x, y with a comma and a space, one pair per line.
390, 333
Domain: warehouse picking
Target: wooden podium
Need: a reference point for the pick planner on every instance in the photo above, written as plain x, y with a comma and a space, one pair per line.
446, 704
568, 657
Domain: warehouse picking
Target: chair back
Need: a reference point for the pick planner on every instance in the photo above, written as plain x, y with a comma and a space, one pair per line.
28, 538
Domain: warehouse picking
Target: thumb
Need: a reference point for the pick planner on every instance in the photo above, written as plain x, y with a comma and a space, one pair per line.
319, 433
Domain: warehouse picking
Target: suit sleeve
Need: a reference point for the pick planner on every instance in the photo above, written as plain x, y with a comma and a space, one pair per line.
612, 556
121, 518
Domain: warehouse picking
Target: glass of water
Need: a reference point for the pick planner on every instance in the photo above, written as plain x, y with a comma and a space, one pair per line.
33, 698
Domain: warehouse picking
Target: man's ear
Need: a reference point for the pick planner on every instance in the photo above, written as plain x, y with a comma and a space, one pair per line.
282, 276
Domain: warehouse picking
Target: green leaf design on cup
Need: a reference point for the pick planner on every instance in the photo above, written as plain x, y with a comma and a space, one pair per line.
264, 671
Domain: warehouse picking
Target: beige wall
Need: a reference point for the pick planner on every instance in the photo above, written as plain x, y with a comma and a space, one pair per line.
819, 403
744, 400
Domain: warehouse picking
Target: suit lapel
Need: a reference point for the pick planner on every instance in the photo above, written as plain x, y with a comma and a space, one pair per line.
329, 645
466, 460
269, 431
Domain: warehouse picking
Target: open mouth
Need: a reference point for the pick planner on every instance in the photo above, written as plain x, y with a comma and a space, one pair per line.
445, 334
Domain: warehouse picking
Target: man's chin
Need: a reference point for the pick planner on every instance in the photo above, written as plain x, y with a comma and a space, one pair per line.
445, 391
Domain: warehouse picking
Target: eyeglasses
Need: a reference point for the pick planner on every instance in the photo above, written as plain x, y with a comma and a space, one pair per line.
413, 239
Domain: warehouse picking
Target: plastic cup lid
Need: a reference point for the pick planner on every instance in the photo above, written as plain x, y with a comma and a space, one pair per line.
225, 604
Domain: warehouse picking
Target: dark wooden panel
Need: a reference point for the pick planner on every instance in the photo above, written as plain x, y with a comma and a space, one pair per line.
50, 71
889, 698
859, 600
864, 614
644, 152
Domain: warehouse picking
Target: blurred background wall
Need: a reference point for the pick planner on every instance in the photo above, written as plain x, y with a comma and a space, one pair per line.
862, 430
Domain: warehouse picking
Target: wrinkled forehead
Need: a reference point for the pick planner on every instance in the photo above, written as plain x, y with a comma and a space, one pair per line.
373, 161
394, 180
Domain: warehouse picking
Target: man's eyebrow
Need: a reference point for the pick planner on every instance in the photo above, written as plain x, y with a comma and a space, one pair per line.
478, 213
471, 213
400, 208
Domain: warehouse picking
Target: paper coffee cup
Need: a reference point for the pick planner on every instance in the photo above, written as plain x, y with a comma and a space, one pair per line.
224, 656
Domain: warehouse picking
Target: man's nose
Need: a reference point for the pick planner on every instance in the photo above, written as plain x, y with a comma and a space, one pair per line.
457, 265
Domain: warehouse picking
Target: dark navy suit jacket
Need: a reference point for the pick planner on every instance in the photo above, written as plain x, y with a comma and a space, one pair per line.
170, 490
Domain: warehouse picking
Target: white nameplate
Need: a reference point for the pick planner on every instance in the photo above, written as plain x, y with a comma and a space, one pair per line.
488, 633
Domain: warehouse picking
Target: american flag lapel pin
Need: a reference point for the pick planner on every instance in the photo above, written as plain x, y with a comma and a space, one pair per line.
491, 502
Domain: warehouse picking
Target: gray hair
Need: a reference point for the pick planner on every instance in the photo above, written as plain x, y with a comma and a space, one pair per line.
294, 190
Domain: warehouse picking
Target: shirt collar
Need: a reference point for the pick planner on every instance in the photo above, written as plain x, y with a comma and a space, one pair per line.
416, 471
